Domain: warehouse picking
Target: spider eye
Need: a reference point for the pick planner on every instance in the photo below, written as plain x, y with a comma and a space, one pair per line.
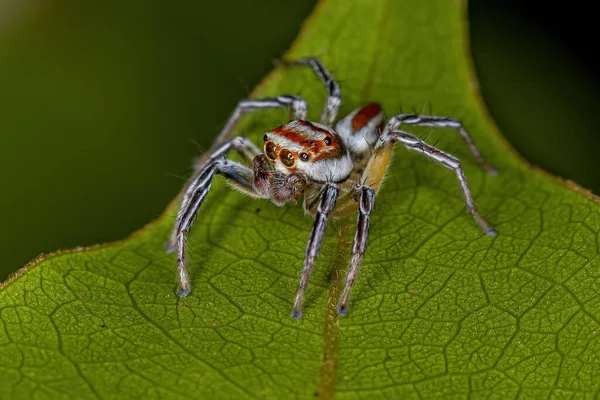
328, 141
304, 156
265, 138
270, 151
287, 157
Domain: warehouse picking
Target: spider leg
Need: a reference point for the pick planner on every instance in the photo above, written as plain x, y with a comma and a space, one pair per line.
296, 104
334, 101
441, 122
242, 145
410, 141
365, 206
237, 174
326, 204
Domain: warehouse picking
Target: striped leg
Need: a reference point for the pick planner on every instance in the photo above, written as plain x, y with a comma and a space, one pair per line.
242, 145
239, 175
334, 101
296, 104
365, 206
410, 141
441, 122
328, 196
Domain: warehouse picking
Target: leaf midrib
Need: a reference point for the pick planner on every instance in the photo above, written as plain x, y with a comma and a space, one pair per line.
328, 373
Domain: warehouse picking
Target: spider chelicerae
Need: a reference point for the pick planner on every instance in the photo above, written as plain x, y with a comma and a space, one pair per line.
337, 171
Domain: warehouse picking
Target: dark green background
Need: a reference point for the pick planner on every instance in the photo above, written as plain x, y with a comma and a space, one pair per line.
103, 104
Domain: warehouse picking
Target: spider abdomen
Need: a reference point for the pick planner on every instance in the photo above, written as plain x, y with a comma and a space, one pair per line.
360, 130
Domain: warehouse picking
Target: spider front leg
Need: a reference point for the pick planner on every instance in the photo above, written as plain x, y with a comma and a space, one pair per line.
366, 202
242, 145
326, 204
412, 142
240, 176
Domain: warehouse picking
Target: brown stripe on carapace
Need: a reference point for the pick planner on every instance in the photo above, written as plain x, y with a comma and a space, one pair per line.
312, 126
297, 137
364, 115
335, 150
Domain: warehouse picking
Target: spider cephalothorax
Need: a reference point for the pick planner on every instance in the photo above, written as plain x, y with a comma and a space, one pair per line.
309, 149
337, 171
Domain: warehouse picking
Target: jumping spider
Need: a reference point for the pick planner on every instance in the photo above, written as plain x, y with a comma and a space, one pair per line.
337, 171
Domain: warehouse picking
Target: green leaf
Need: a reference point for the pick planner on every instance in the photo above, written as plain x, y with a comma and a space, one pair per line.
439, 310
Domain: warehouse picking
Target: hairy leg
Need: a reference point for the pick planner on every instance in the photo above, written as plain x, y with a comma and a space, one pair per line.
296, 104
241, 145
199, 188
334, 101
412, 142
241, 178
326, 204
366, 202
440, 122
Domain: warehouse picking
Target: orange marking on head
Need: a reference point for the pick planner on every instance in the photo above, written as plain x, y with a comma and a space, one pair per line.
299, 138
333, 150
364, 115
312, 126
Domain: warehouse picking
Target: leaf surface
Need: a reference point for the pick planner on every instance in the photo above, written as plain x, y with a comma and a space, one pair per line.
439, 309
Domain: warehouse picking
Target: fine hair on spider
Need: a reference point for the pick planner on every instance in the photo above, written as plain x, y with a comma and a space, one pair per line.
337, 170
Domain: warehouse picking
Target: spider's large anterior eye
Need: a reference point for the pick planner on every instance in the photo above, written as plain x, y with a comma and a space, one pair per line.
270, 150
287, 157
328, 141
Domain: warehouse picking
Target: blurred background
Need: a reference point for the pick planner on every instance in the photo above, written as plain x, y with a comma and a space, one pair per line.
104, 103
